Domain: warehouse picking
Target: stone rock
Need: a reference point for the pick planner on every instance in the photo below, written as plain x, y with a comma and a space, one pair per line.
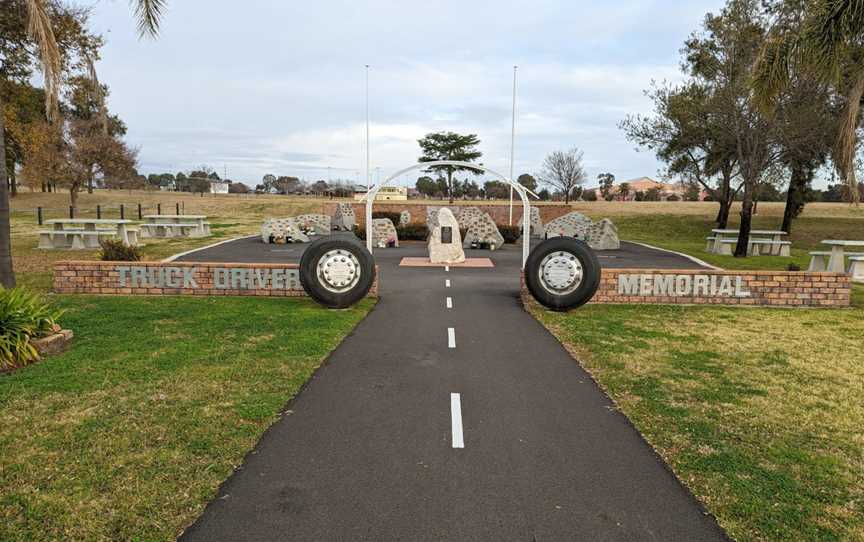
383, 233
283, 230
482, 230
570, 225
53, 344
536, 224
344, 218
604, 236
404, 218
470, 215
440, 252
313, 224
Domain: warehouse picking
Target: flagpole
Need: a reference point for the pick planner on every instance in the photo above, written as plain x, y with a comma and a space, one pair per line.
512, 142
368, 172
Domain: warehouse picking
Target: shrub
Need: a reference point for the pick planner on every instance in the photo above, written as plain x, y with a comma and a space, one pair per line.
793, 267
412, 232
511, 234
115, 250
394, 217
23, 317
673, 197
589, 195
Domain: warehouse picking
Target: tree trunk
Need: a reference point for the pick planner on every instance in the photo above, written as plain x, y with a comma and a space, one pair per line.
450, 185
746, 222
13, 182
794, 196
73, 195
7, 274
723, 214
90, 185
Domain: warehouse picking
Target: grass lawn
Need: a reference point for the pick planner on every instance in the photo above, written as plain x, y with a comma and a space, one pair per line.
759, 411
129, 434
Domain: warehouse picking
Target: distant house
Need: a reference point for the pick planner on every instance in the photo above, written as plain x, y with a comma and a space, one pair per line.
643, 185
386, 193
219, 187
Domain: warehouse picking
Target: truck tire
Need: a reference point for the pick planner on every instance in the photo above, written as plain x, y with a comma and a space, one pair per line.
336, 272
562, 273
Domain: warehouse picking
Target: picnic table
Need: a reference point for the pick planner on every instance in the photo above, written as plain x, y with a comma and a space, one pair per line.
837, 259
175, 226
84, 233
723, 238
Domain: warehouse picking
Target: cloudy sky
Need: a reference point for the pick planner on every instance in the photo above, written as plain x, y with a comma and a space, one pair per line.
278, 86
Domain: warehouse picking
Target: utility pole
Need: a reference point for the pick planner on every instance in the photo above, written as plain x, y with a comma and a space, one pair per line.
513, 144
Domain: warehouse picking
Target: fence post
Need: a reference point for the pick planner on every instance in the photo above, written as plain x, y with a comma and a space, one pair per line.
177, 206
71, 212
39, 215
98, 212
140, 216
158, 208
122, 212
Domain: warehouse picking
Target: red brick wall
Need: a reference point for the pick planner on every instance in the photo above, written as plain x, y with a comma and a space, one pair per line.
500, 213
180, 278
763, 288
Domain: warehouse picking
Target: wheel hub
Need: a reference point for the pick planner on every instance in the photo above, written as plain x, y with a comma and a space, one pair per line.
338, 270
560, 272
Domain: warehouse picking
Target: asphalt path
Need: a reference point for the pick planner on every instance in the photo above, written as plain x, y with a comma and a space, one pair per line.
369, 449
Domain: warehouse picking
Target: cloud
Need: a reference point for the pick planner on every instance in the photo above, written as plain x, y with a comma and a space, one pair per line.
279, 87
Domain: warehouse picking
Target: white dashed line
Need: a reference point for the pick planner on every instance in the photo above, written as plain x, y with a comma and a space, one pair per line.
456, 417
449, 302
446, 268
447, 283
451, 337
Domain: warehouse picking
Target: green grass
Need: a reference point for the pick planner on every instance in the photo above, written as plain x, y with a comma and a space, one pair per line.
129, 434
687, 233
759, 411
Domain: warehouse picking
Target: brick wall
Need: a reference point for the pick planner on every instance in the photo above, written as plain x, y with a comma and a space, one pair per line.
709, 287
500, 213
181, 278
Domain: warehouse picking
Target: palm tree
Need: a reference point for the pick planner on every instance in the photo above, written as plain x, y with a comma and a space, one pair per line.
148, 14
829, 43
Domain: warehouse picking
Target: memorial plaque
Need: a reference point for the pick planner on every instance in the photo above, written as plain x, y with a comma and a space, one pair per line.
446, 234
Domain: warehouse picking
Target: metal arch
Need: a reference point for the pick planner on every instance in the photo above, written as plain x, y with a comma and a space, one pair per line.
523, 193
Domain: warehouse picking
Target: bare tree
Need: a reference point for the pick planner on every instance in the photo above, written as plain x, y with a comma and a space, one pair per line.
563, 171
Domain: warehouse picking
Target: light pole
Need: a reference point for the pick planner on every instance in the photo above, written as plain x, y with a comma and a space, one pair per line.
368, 172
512, 142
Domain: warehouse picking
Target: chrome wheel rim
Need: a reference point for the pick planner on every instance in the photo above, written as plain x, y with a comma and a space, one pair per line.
338, 271
560, 272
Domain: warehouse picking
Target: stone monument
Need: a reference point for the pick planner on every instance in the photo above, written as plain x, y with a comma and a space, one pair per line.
282, 230
602, 235
482, 230
536, 224
404, 218
344, 218
445, 245
383, 233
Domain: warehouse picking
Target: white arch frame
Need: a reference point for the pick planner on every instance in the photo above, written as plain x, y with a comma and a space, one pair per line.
523, 193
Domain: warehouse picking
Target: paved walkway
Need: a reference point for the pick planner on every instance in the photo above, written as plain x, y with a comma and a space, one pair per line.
369, 448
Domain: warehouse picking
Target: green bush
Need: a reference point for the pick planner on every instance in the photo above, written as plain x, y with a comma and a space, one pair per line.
412, 232
23, 317
394, 217
115, 250
511, 234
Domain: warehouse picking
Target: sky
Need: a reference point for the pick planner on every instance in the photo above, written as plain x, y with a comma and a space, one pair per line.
278, 87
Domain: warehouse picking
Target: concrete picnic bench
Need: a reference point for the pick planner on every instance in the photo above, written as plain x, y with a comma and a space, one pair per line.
835, 260
723, 240
85, 233
175, 226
